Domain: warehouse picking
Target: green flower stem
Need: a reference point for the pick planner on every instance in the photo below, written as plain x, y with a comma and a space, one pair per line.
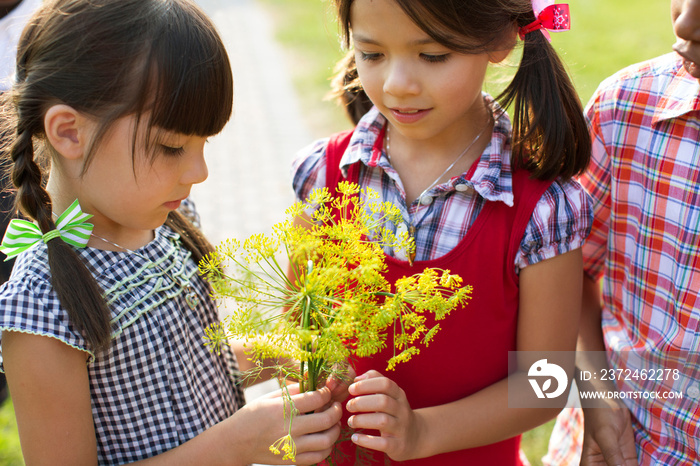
306, 324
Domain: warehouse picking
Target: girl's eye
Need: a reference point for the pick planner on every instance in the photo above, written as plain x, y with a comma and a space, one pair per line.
370, 56
172, 151
435, 58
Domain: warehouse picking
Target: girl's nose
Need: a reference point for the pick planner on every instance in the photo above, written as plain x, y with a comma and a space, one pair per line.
196, 170
687, 25
401, 79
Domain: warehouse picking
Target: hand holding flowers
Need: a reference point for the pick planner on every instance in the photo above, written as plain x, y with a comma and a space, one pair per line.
380, 404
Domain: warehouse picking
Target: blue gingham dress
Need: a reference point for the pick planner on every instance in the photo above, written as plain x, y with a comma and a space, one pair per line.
158, 386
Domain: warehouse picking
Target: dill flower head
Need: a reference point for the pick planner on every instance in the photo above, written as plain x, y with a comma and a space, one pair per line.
334, 302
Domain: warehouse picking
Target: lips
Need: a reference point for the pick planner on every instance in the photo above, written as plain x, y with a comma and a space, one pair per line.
690, 60
409, 115
172, 205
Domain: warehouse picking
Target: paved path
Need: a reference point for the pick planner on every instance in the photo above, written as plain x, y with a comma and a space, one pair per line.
249, 185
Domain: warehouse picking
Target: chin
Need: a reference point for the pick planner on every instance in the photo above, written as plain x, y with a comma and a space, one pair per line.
692, 68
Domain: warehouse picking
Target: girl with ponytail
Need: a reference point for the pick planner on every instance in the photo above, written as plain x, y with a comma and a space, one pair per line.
104, 317
490, 201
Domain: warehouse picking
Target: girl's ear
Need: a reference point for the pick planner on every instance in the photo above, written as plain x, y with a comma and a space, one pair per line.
67, 130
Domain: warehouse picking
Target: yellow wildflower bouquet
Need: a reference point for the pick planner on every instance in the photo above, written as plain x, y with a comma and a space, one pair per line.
333, 303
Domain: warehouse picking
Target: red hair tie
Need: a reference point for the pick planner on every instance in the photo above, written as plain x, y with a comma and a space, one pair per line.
554, 18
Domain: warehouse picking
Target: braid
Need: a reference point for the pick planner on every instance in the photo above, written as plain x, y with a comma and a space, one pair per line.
26, 175
157, 59
75, 286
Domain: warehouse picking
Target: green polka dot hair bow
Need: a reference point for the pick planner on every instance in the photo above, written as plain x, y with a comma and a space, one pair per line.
70, 227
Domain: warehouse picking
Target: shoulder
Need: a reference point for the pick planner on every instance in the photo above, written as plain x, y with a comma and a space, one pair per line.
309, 168
30, 304
564, 194
660, 69
560, 222
640, 84
30, 271
310, 163
311, 153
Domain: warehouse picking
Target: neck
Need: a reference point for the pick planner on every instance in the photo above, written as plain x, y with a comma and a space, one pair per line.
62, 196
420, 169
98, 242
113, 241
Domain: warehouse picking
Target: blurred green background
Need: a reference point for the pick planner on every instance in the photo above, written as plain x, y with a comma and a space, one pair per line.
606, 36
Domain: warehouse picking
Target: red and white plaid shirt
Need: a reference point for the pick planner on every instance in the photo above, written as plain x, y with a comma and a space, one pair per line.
645, 246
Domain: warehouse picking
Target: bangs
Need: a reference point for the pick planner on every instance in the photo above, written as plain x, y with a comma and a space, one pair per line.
466, 27
191, 85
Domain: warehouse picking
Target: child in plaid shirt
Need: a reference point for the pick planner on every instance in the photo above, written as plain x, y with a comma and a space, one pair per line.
644, 249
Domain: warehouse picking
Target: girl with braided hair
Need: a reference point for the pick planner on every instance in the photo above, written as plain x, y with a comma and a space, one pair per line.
104, 316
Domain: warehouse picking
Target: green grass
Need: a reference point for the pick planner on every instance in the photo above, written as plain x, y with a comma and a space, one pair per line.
606, 36
10, 451
609, 35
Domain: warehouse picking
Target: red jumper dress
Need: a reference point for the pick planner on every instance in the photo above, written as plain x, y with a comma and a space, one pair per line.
470, 352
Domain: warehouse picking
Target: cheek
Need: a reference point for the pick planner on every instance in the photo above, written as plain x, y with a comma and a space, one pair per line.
461, 75
460, 87
369, 78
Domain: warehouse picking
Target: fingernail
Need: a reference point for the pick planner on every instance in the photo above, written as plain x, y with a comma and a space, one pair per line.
351, 420
355, 438
361, 377
352, 389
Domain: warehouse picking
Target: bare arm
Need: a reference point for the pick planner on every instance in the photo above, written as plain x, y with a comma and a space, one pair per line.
51, 394
550, 297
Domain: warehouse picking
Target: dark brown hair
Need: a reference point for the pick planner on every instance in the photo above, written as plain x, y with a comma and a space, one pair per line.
550, 137
158, 59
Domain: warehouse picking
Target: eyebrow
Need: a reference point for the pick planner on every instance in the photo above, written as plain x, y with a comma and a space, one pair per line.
367, 40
